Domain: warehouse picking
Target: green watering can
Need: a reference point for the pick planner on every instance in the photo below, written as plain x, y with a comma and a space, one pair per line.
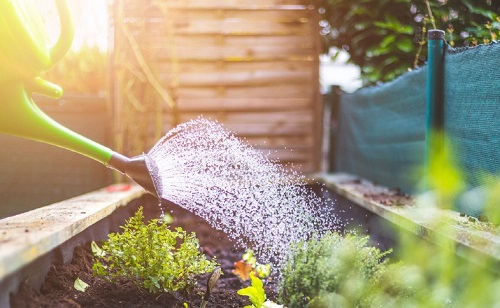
24, 54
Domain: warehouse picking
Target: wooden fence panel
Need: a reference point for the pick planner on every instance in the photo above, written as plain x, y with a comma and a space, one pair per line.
253, 66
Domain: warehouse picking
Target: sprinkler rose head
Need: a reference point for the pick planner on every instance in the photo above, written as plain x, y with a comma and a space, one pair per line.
141, 169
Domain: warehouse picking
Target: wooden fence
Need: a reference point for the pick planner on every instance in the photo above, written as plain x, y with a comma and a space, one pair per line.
252, 65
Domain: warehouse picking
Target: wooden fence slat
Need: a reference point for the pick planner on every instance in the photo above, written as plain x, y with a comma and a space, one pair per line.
212, 67
269, 129
214, 53
241, 104
256, 117
229, 28
288, 154
273, 91
173, 14
222, 40
233, 3
235, 79
280, 141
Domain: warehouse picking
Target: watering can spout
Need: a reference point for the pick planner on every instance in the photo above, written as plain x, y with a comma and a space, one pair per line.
140, 168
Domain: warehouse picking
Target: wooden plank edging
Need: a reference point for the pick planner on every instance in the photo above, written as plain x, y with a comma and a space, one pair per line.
28, 236
470, 237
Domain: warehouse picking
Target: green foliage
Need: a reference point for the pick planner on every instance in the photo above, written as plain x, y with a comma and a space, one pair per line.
337, 271
153, 256
385, 37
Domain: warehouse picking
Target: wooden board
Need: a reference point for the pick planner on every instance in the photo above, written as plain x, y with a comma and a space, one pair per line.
248, 78
242, 4
243, 91
156, 14
474, 241
193, 105
223, 39
28, 236
233, 53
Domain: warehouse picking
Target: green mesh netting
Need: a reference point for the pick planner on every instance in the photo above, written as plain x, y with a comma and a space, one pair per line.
472, 117
472, 109
382, 131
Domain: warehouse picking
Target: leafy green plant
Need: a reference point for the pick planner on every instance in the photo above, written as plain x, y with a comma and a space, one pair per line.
153, 256
257, 294
343, 271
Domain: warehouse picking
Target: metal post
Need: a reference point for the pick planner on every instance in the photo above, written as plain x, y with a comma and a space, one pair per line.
333, 99
435, 94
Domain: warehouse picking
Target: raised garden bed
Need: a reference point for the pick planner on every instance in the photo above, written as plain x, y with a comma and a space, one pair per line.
39, 261
58, 288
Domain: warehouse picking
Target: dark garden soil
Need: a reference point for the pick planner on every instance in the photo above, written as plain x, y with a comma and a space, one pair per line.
58, 289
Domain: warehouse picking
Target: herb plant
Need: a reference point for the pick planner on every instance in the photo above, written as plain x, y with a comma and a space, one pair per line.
341, 271
153, 256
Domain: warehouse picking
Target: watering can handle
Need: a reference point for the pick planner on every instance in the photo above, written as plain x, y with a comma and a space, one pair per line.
24, 53
23, 56
67, 31
19, 115
57, 52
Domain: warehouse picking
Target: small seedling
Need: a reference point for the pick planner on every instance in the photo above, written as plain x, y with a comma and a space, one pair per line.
257, 294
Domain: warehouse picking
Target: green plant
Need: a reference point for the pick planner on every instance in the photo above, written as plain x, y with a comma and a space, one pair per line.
257, 294
153, 256
343, 271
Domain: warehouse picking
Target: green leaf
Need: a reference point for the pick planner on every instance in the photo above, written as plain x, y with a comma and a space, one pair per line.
387, 40
96, 250
480, 11
253, 295
255, 292
405, 44
80, 285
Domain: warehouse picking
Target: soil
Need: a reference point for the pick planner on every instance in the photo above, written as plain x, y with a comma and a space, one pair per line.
380, 194
58, 289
